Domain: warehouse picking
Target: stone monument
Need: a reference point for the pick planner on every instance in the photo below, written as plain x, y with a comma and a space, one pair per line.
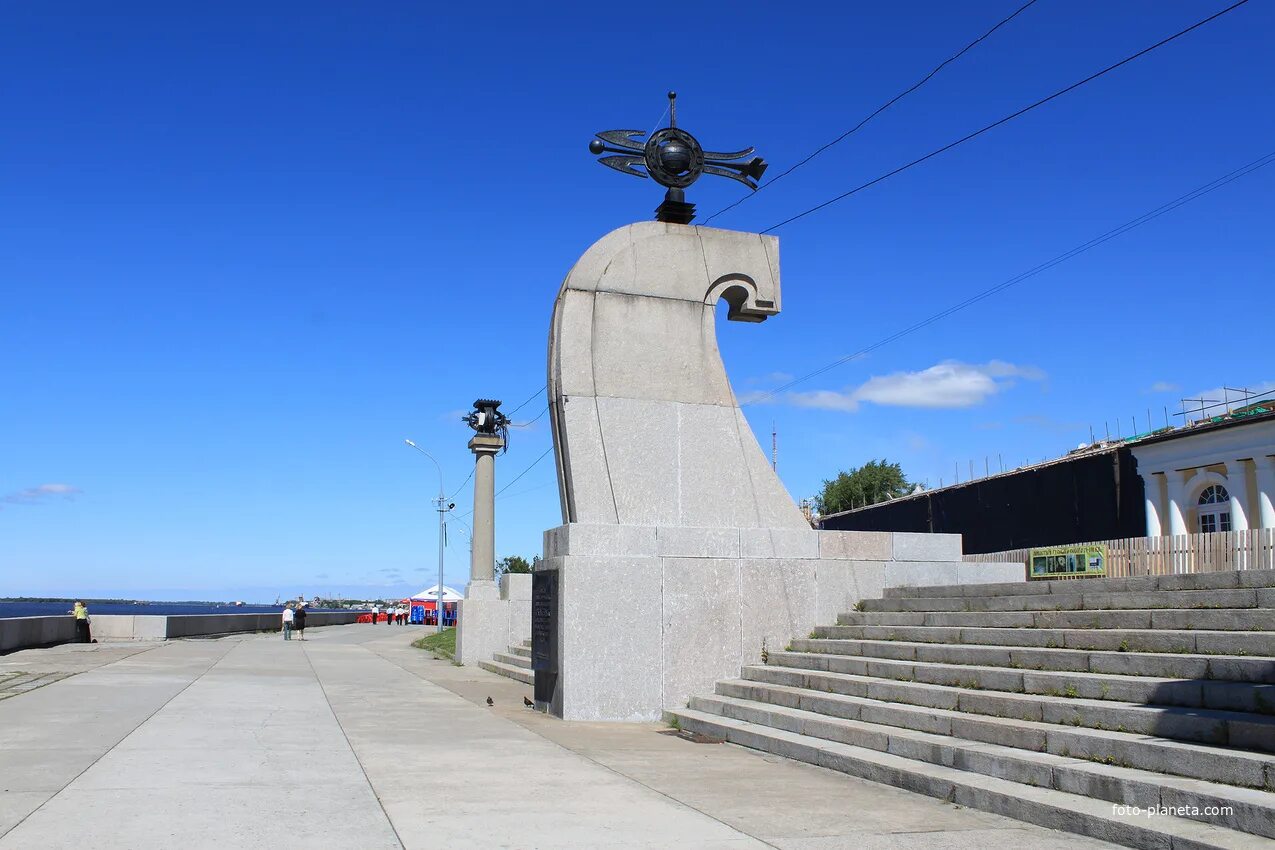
681, 556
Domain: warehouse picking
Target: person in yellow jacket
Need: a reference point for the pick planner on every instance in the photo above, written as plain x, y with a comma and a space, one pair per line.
81, 612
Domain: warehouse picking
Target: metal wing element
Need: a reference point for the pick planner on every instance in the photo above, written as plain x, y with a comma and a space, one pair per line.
726, 172
625, 139
735, 155
625, 163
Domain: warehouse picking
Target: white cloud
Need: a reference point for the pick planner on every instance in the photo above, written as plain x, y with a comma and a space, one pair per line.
31, 495
948, 385
1164, 387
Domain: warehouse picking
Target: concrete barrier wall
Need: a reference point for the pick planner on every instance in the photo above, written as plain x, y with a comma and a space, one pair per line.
20, 632
194, 625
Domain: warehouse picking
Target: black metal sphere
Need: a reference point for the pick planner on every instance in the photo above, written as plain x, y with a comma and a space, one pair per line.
675, 157
596, 146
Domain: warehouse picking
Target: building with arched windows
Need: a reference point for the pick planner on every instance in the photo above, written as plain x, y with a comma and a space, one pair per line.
1218, 476
1213, 475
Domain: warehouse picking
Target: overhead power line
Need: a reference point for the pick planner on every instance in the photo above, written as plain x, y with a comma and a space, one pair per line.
530, 398
463, 483
529, 423
1009, 117
525, 471
877, 111
516, 477
1199, 192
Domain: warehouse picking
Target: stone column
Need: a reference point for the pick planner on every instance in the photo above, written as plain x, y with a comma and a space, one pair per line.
483, 617
482, 563
1237, 486
1151, 486
1176, 479
1265, 491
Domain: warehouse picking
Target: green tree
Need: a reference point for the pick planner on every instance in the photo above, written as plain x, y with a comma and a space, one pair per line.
514, 564
875, 481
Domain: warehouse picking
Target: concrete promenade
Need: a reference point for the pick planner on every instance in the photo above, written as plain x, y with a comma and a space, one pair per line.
353, 739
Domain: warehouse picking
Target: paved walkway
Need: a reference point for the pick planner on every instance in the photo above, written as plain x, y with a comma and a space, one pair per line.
353, 739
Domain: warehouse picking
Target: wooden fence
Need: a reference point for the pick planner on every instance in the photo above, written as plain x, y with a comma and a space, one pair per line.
1182, 553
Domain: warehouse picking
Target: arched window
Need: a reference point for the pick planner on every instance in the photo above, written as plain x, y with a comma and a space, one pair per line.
1214, 509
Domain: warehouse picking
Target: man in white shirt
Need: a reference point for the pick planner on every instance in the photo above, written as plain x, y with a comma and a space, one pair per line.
376, 612
287, 621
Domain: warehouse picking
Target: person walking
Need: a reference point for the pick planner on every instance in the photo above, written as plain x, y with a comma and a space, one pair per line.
288, 618
376, 612
389, 615
81, 612
298, 621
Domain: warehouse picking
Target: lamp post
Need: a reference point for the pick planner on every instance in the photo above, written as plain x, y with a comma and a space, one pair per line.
442, 508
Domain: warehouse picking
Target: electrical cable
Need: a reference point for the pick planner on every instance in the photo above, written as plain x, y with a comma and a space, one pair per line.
515, 479
532, 489
1007, 118
528, 401
525, 471
1181, 200
876, 112
463, 483
532, 422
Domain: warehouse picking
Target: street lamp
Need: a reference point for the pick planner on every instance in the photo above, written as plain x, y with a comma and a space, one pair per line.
443, 507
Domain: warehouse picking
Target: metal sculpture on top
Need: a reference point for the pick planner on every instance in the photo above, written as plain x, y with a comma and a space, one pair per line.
673, 158
486, 418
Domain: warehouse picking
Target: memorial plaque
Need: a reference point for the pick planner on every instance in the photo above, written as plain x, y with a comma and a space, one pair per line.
544, 635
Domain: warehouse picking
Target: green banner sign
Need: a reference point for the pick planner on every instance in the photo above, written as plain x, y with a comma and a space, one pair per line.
1067, 562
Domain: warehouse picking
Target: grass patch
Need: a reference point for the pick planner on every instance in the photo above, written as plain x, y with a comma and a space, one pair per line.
442, 644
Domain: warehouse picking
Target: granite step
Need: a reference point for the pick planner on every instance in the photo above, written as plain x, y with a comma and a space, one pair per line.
1137, 584
512, 660
1042, 806
1226, 619
1247, 810
1091, 600
522, 650
1164, 665
518, 673
1209, 726
1226, 696
1144, 752
1162, 640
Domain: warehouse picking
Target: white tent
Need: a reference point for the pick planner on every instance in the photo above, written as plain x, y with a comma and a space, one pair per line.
431, 593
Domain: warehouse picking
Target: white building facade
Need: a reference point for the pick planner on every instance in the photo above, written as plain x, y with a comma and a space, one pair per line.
1213, 478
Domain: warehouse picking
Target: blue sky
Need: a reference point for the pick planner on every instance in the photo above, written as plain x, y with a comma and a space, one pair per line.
250, 248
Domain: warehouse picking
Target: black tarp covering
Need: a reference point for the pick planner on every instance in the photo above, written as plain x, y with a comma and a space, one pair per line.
1091, 497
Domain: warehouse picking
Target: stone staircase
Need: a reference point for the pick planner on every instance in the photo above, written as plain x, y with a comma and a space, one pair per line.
1053, 702
514, 663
